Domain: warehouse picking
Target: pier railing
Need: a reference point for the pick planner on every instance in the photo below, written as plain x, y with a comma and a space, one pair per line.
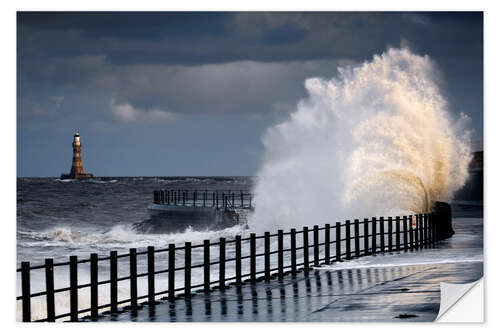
196, 198
314, 246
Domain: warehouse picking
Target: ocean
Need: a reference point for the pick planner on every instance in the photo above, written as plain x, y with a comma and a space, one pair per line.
59, 218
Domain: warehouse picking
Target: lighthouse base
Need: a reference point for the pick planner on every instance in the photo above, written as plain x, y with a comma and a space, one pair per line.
76, 176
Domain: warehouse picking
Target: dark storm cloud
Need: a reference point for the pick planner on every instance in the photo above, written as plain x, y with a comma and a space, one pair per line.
128, 25
285, 34
195, 38
99, 49
114, 68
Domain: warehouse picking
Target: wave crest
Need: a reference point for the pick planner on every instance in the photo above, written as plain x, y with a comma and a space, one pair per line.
377, 138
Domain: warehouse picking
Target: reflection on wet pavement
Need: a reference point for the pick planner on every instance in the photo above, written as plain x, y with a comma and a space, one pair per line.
369, 294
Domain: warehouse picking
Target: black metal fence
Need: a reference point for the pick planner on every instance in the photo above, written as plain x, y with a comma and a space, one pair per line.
330, 243
195, 198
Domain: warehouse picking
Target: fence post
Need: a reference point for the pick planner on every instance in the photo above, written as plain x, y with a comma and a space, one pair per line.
348, 240
26, 290
280, 253
398, 236
405, 232
417, 241
133, 278
171, 272
417, 231
338, 239
293, 251
253, 263
222, 263
49, 287
267, 256
94, 287
327, 244
238, 259
411, 231
435, 225
431, 225
316, 245
389, 232
305, 231
426, 229
187, 270
356, 238
421, 230
113, 277
73, 285
366, 246
151, 275
374, 235
382, 234
206, 265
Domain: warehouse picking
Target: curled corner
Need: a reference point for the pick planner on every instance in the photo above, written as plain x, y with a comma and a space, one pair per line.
455, 302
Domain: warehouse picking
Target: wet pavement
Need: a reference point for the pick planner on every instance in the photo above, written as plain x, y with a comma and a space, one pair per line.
394, 287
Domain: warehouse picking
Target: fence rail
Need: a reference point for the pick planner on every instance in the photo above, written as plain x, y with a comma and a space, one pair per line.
195, 198
417, 231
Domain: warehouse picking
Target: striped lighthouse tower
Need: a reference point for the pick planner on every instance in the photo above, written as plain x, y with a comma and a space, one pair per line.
76, 167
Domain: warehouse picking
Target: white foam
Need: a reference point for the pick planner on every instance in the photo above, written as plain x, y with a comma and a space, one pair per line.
121, 236
378, 138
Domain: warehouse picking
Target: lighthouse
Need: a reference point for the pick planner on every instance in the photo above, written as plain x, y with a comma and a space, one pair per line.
76, 166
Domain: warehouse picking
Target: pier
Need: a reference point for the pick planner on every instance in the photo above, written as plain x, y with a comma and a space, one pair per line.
214, 210
294, 252
227, 200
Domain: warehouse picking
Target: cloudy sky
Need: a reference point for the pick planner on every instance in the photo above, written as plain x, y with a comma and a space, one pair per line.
178, 94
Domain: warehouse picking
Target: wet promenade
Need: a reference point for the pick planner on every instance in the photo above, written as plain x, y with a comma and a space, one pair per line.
389, 287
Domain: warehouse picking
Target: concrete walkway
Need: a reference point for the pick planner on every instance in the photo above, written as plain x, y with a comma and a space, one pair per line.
389, 287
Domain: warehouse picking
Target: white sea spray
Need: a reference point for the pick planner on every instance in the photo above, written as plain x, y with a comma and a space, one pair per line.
377, 139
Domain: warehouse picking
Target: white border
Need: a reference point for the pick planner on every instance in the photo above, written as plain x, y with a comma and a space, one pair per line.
8, 142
